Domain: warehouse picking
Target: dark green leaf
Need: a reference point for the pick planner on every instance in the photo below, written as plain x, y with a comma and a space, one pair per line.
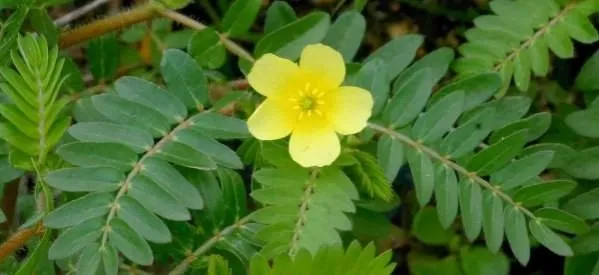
42, 23
521, 171
185, 78
142, 221
549, 239
103, 56
585, 122
240, 16
471, 208
409, 99
76, 238
423, 173
88, 179
80, 210
110, 260
584, 205
279, 14
373, 78
346, 33
207, 49
517, 234
398, 54
437, 62
220, 127
98, 154
446, 195
390, 156
538, 194
220, 153
481, 261
587, 77
586, 243
130, 243
497, 155
89, 260
439, 118
581, 264
536, 125
561, 220
426, 228
493, 220
130, 136
7, 172
156, 199
182, 154
469, 135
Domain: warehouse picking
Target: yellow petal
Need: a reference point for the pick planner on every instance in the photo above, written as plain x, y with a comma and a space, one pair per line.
270, 121
314, 147
271, 74
323, 62
351, 109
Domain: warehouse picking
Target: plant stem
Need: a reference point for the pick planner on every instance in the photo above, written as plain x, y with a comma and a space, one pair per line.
458, 168
73, 15
230, 45
184, 265
100, 27
18, 239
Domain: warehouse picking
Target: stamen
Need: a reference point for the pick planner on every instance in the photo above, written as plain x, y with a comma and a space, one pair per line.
318, 112
319, 102
293, 99
296, 107
309, 112
300, 116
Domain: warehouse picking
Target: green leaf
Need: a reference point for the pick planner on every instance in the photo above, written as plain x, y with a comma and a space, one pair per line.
289, 40
549, 239
150, 95
446, 195
142, 221
584, 122
220, 127
182, 154
76, 238
120, 110
135, 138
561, 220
220, 153
493, 220
437, 62
10, 31
471, 208
409, 99
240, 16
167, 177
584, 205
156, 199
346, 33
468, 136
370, 176
586, 243
507, 110
373, 78
581, 264
538, 194
88, 179
478, 260
390, 156
497, 155
43, 24
423, 173
7, 172
579, 27
398, 53
517, 234
439, 118
207, 49
427, 229
583, 164
561, 153
559, 42
103, 56
522, 170
90, 258
79, 210
536, 125
38, 256
586, 79
110, 260
185, 78
129, 243
366, 223
278, 14
98, 154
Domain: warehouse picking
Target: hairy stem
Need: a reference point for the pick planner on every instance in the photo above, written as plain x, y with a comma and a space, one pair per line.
100, 27
230, 45
294, 246
184, 265
458, 168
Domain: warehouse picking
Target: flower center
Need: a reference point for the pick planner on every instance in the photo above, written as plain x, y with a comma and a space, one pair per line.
308, 101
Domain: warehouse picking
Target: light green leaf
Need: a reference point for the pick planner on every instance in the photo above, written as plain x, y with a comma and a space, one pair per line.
98, 154
289, 40
88, 179
398, 54
446, 195
89, 260
10, 31
167, 177
497, 155
372, 76
279, 14
426, 228
103, 56
79, 210
409, 99
521, 171
561, 220
390, 156
439, 118
584, 205
522, 71
130, 243
539, 57
423, 173
579, 27
135, 138
142, 221
370, 176
549, 239
240, 16
120, 110
110, 260
346, 33
76, 238
538, 194
157, 199
493, 220
517, 234
207, 49
220, 127
558, 41
471, 208
150, 95
220, 153
182, 154
185, 78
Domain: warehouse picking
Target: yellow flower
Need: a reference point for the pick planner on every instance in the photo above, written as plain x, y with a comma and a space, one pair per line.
308, 102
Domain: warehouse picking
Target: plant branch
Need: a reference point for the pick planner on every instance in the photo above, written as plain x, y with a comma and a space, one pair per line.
184, 265
538, 34
100, 27
301, 219
189, 22
18, 239
73, 15
472, 176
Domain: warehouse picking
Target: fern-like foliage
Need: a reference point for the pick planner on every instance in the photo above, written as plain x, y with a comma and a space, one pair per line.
517, 39
34, 118
469, 155
331, 259
10, 31
303, 209
128, 164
